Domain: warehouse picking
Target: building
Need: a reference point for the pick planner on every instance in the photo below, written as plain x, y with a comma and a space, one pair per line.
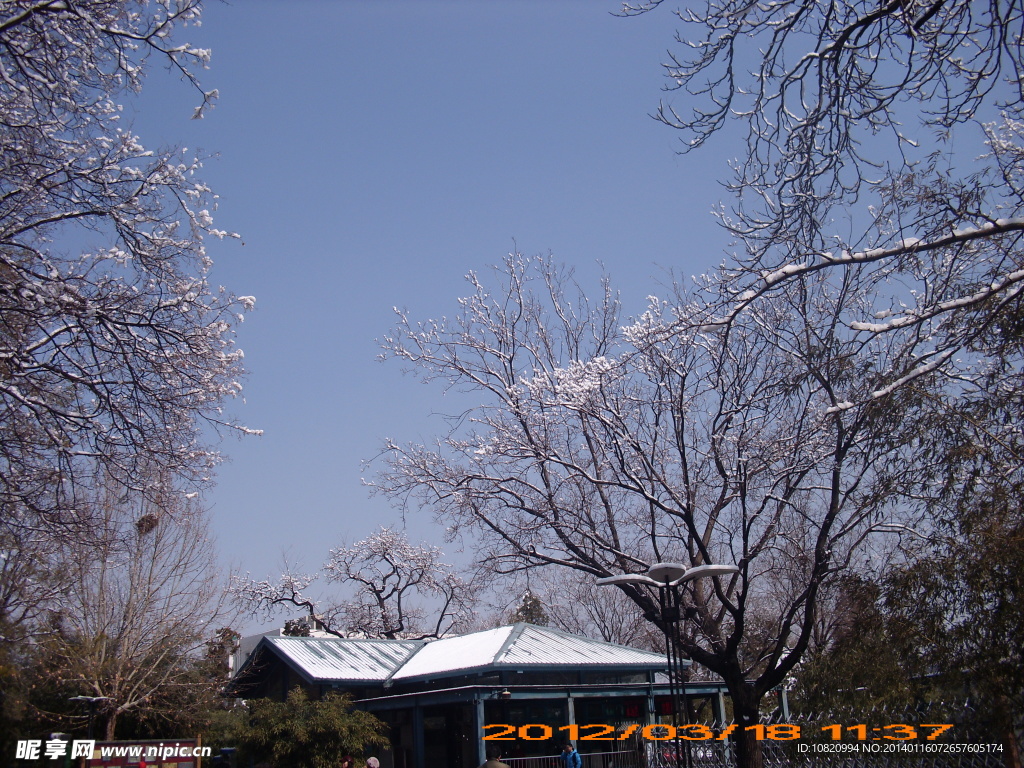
309, 627
521, 688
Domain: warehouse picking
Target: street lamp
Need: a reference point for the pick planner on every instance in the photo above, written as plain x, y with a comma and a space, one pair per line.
668, 577
92, 701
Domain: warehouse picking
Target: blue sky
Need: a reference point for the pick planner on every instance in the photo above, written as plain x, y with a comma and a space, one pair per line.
372, 153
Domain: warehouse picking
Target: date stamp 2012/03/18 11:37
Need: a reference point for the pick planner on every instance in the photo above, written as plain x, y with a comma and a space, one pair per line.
838, 733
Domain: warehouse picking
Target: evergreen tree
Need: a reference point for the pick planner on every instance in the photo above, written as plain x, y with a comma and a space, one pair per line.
531, 611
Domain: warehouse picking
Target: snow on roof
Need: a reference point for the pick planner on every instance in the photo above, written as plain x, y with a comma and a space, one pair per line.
450, 654
519, 646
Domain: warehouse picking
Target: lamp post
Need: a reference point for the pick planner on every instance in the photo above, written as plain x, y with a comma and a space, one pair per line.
668, 577
92, 701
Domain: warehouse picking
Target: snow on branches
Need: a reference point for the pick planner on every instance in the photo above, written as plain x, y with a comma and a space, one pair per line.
114, 348
606, 445
883, 147
401, 590
948, 284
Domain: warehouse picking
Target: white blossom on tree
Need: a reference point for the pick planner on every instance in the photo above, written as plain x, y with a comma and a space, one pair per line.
605, 446
396, 590
115, 350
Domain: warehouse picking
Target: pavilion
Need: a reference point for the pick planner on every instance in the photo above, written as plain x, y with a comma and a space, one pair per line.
533, 686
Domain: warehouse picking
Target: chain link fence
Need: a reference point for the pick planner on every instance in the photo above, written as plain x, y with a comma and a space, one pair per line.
935, 736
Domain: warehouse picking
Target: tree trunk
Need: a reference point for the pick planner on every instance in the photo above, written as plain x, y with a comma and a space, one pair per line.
746, 710
108, 734
1006, 720
1011, 752
748, 750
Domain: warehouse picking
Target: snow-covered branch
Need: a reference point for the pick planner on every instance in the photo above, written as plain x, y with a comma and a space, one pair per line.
604, 448
116, 356
395, 589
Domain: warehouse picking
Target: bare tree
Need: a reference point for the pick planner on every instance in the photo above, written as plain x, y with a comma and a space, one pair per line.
835, 96
605, 449
143, 601
402, 590
29, 583
884, 146
883, 139
571, 601
115, 351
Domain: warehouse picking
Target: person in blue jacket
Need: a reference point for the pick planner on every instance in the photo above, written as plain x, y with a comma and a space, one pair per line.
570, 757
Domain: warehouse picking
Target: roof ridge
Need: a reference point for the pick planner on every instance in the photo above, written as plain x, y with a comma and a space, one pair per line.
421, 644
514, 634
573, 636
335, 638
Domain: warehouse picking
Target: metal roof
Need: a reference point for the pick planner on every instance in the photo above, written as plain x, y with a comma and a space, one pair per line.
543, 645
322, 658
519, 646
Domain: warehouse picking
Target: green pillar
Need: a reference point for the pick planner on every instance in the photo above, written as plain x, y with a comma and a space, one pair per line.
419, 748
478, 722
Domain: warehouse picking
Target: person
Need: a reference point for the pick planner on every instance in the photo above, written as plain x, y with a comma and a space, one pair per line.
570, 757
372, 762
348, 762
494, 759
